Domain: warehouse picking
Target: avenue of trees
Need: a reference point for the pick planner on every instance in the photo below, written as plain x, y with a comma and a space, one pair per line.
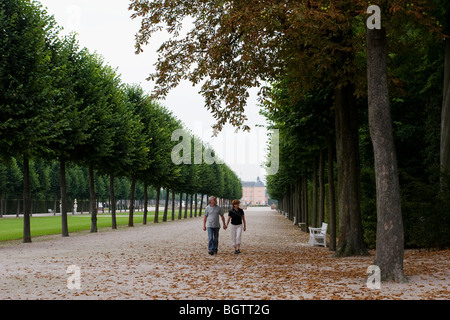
412, 93
362, 112
69, 128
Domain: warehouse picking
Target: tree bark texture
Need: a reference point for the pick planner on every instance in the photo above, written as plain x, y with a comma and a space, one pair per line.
26, 200
92, 199
112, 196
180, 209
195, 205
63, 188
190, 206
186, 206
390, 238
166, 205
314, 194
158, 194
305, 199
332, 194
351, 242
445, 121
201, 205
144, 220
321, 188
173, 205
131, 212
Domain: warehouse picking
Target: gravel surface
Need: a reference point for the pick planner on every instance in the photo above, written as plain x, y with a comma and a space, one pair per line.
170, 261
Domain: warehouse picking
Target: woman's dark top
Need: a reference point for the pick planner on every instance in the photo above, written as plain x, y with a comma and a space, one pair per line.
236, 216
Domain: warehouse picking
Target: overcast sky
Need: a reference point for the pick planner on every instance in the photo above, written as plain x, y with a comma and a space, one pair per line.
105, 26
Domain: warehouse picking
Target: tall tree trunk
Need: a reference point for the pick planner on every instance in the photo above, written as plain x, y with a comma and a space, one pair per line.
445, 120
351, 241
296, 218
314, 194
390, 238
285, 204
190, 207
289, 202
92, 199
173, 205
158, 194
195, 211
201, 205
144, 220
180, 210
305, 199
112, 196
131, 208
332, 194
26, 200
321, 188
54, 204
63, 188
166, 205
18, 207
186, 207
299, 199
301, 204
294, 202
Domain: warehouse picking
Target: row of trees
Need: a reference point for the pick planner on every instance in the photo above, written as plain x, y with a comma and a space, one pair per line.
59, 101
45, 187
317, 56
392, 206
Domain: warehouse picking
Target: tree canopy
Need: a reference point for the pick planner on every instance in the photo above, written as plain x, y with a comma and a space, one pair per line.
59, 101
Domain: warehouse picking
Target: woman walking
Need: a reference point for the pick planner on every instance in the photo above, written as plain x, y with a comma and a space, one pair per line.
238, 224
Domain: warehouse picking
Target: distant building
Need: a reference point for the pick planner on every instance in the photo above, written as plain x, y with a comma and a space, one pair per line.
254, 193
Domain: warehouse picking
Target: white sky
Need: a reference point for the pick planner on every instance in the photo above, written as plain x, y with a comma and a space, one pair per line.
105, 26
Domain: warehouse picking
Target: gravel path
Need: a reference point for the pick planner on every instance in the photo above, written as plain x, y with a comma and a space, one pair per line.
170, 261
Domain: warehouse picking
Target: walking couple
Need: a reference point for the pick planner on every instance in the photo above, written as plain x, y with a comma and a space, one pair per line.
212, 224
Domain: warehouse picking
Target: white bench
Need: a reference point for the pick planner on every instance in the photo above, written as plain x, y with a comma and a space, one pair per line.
318, 236
302, 226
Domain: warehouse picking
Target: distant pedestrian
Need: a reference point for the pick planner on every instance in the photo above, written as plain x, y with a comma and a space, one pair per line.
212, 224
238, 224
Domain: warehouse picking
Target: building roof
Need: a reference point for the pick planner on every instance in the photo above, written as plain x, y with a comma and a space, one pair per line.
251, 184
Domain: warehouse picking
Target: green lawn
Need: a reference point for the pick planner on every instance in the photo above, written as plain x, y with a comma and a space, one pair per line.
12, 228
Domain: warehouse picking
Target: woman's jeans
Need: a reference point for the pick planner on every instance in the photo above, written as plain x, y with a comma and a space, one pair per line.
213, 235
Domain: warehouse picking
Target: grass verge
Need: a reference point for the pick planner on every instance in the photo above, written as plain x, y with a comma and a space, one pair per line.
12, 228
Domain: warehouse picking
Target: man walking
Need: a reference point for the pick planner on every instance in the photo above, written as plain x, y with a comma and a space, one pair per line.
212, 224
